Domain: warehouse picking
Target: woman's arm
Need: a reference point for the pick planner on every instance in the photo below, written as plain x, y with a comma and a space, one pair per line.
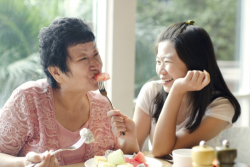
11, 161
43, 160
165, 136
142, 124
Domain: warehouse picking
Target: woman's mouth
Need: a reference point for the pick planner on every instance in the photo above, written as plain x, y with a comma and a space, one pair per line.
166, 81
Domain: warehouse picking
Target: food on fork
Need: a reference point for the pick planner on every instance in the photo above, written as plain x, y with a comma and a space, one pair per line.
86, 133
102, 76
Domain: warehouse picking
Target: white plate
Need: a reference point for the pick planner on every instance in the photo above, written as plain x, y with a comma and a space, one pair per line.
151, 161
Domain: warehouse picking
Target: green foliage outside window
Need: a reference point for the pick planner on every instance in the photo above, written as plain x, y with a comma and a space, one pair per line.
21, 20
217, 17
20, 23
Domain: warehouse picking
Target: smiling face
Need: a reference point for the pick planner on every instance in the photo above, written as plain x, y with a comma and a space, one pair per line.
169, 66
85, 62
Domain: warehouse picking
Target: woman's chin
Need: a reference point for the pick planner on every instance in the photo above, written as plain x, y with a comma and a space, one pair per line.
166, 89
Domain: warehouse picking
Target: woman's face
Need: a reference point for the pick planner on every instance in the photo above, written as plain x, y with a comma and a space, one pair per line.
85, 62
169, 66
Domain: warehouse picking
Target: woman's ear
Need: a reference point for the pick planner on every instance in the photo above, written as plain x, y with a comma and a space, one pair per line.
56, 73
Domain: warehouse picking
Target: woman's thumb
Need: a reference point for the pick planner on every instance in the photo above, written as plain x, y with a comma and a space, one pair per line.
35, 157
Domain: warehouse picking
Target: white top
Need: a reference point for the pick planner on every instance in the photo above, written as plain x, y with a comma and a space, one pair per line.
220, 108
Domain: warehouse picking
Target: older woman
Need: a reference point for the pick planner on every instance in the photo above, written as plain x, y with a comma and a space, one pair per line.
49, 113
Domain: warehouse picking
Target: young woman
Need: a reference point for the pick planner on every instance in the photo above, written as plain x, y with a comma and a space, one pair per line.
190, 103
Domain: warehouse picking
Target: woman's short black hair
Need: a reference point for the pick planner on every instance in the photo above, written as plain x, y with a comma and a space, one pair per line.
55, 39
194, 47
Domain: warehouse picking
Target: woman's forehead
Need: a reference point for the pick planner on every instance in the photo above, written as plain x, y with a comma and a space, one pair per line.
81, 49
166, 50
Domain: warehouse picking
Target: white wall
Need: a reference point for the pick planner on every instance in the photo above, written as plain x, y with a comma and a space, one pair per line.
116, 42
244, 90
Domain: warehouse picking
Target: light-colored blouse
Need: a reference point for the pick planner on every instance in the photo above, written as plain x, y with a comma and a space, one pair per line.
220, 108
28, 123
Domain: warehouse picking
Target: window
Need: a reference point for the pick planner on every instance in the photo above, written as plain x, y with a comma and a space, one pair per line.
218, 18
225, 22
20, 22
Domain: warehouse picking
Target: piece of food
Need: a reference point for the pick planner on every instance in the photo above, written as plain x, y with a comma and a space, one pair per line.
116, 157
86, 133
102, 76
132, 161
126, 165
100, 158
135, 163
107, 152
105, 164
140, 157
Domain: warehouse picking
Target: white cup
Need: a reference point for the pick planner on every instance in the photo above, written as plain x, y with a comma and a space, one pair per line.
182, 158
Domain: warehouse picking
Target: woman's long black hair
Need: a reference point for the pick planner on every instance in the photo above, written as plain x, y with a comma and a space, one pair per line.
194, 47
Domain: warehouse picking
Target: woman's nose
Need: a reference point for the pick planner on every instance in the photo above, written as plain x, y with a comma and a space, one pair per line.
95, 64
162, 70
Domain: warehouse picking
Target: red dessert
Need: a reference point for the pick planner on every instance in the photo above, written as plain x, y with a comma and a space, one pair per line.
138, 159
102, 76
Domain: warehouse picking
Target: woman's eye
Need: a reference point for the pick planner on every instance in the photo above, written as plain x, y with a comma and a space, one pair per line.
158, 62
97, 54
166, 61
83, 58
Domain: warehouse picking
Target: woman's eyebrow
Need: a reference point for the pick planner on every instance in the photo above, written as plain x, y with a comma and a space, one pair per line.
166, 56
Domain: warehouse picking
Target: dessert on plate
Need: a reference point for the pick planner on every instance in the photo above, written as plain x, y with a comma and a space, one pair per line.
117, 159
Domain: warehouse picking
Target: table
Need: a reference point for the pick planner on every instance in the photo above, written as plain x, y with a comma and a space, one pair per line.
146, 153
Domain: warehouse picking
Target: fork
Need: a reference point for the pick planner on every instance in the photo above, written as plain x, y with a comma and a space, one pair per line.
104, 93
77, 145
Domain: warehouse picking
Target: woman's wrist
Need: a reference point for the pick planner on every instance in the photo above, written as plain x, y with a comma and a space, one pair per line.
23, 161
130, 146
178, 90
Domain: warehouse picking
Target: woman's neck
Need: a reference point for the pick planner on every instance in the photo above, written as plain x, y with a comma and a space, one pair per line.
70, 101
72, 112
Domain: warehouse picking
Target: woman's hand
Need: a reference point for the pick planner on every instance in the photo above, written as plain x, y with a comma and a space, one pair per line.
43, 160
122, 123
193, 81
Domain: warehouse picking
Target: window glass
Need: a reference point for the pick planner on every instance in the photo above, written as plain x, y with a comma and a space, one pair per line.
217, 17
20, 22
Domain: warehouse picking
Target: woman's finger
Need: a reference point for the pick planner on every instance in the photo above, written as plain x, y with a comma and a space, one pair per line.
195, 76
52, 159
189, 75
45, 162
117, 119
207, 79
113, 113
35, 157
118, 124
56, 163
201, 78
118, 130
